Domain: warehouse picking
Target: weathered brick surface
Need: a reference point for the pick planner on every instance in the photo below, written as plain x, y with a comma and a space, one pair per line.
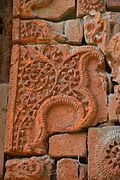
67, 145
53, 88
113, 5
41, 31
99, 29
85, 7
104, 153
3, 109
34, 168
112, 53
71, 169
45, 9
114, 105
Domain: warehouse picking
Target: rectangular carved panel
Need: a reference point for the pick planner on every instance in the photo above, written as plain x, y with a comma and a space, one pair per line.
34, 168
45, 9
53, 88
40, 31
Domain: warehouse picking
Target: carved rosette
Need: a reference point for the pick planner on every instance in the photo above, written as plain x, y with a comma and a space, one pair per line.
107, 156
53, 94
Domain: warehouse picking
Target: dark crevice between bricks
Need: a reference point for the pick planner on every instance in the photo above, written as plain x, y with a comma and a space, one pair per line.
6, 44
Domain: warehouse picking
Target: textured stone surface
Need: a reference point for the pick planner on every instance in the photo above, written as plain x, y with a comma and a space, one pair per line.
85, 7
74, 31
3, 109
112, 53
34, 168
113, 5
40, 31
99, 29
71, 169
67, 145
53, 88
46, 9
104, 153
114, 106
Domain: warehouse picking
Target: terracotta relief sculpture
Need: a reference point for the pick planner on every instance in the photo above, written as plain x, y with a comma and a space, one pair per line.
85, 7
107, 156
45, 9
34, 168
112, 52
53, 85
97, 30
104, 153
41, 31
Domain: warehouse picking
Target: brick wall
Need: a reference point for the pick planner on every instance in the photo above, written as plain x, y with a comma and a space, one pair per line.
63, 110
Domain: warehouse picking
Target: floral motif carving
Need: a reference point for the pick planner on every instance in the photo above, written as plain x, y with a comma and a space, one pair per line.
48, 75
35, 31
107, 156
29, 168
89, 6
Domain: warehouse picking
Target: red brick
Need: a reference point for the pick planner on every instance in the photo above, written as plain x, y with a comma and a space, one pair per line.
71, 169
34, 168
3, 110
67, 145
102, 144
114, 105
113, 5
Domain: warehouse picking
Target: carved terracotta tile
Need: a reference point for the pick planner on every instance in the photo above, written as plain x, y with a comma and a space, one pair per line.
104, 153
99, 29
34, 168
3, 111
45, 9
112, 52
40, 31
85, 7
71, 169
113, 5
53, 88
114, 106
68, 145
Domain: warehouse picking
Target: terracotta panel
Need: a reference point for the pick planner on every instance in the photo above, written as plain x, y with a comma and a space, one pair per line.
99, 29
34, 168
85, 7
45, 9
41, 31
112, 53
104, 153
114, 106
53, 88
